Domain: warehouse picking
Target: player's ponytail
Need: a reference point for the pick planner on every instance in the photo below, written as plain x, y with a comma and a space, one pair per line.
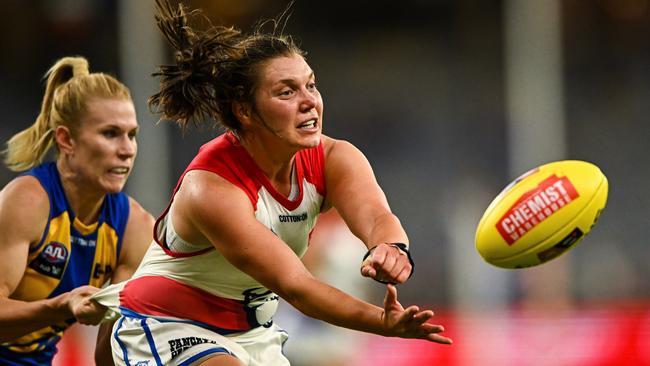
68, 88
27, 148
213, 67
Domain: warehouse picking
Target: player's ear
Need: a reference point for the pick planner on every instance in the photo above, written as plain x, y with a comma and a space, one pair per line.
64, 140
242, 112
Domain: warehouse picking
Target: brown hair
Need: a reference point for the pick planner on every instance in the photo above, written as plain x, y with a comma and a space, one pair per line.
213, 68
69, 86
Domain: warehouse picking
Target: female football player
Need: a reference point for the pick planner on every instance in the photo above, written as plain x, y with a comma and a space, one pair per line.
230, 241
65, 226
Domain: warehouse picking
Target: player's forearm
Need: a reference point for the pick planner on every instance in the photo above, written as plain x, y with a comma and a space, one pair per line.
385, 228
321, 301
18, 318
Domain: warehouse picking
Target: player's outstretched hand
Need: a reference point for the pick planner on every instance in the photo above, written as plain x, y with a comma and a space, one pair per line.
84, 309
410, 322
387, 263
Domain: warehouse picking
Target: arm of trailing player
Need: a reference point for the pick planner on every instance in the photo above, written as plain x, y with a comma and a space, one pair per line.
24, 211
225, 218
138, 235
353, 190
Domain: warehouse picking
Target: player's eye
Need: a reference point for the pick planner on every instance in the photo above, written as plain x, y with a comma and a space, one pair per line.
109, 133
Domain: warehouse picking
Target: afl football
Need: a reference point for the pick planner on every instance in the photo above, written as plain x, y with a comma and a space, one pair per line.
542, 214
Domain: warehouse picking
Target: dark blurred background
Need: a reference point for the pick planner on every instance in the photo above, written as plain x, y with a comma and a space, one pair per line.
448, 99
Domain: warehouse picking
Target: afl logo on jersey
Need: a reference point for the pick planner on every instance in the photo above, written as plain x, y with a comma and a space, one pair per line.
52, 260
55, 253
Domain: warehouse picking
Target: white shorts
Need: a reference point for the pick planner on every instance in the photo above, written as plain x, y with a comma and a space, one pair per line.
146, 341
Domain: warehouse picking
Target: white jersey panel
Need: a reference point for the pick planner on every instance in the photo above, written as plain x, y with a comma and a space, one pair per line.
292, 226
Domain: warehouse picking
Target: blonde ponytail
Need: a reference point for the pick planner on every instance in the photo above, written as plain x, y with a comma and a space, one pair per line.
69, 85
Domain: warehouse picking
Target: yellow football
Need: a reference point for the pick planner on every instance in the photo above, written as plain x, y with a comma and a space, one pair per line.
542, 214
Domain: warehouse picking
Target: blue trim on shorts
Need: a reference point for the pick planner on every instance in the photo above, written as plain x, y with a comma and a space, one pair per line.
132, 314
117, 338
152, 344
203, 354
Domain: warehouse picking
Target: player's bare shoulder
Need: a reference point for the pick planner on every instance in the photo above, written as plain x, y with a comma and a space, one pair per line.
139, 215
193, 210
338, 149
25, 187
196, 182
25, 196
24, 209
328, 144
140, 224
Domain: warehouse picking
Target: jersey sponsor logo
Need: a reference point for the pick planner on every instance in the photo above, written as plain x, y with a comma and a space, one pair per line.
52, 260
535, 206
82, 242
293, 218
178, 345
142, 363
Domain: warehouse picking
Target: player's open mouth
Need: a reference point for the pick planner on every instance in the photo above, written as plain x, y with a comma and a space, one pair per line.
120, 170
308, 124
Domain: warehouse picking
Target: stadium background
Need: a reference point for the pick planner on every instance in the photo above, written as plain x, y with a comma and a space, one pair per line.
450, 100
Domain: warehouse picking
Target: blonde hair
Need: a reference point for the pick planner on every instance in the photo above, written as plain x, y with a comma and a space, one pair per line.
68, 88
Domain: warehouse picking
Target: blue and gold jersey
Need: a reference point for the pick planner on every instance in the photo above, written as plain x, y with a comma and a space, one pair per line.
70, 254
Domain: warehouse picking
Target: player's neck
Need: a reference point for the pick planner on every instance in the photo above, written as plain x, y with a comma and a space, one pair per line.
84, 201
275, 163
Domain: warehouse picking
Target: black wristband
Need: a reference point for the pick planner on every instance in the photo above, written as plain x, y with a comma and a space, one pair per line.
400, 246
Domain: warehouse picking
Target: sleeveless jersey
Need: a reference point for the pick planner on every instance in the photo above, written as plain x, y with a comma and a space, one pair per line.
70, 254
181, 280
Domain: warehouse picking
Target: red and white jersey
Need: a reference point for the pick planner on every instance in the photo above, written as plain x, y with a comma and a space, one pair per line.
182, 280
